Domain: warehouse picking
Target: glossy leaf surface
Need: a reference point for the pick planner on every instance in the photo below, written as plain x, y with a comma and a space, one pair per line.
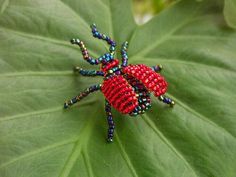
39, 139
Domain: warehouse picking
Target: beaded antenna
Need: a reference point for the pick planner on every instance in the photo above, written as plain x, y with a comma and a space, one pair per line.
126, 87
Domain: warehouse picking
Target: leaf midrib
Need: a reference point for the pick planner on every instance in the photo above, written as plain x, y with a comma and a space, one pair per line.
126, 157
70, 73
79, 144
169, 144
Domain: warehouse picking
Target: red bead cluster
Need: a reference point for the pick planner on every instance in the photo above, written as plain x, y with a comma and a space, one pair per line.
153, 81
108, 66
120, 94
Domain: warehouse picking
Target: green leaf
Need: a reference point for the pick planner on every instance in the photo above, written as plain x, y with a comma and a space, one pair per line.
230, 12
39, 139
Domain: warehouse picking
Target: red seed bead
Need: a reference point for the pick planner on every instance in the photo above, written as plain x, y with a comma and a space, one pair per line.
151, 80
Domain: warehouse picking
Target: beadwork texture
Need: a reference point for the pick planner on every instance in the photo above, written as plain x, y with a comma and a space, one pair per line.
126, 87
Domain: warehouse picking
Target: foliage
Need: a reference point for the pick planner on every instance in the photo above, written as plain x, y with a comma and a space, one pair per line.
230, 12
142, 7
190, 39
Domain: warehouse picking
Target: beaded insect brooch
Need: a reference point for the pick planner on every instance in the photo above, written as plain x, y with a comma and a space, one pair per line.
126, 87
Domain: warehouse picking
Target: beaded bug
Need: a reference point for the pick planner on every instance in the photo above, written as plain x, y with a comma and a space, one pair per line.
126, 87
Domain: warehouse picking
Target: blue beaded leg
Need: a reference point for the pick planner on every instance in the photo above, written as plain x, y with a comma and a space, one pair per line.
166, 100
124, 54
157, 68
99, 35
83, 94
111, 125
84, 72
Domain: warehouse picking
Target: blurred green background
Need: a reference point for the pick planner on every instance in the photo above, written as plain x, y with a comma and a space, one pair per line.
144, 10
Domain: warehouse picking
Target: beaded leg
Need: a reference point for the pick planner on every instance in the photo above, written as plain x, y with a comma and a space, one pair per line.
124, 54
83, 94
111, 125
85, 53
99, 35
166, 100
84, 72
157, 68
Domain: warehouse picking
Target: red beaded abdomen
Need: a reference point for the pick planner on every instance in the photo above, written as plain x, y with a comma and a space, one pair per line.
120, 94
153, 81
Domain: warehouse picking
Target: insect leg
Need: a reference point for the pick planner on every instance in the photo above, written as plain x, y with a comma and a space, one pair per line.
111, 125
83, 94
124, 54
84, 72
166, 100
157, 68
99, 35
84, 51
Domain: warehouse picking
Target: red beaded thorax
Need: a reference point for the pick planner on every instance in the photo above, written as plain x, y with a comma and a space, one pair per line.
110, 65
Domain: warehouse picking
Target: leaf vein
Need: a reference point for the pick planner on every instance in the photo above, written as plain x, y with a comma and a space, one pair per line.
179, 61
77, 150
169, 144
42, 38
166, 36
126, 157
76, 14
38, 73
36, 152
204, 118
44, 111
87, 164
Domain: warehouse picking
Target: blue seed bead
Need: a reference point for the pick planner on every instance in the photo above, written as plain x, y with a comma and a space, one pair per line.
112, 48
112, 126
168, 100
66, 105
74, 100
164, 99
100, 73
111, 131
110, 135
100, 58
113, 43
111, 122
96, 33
109, 118
94, 30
